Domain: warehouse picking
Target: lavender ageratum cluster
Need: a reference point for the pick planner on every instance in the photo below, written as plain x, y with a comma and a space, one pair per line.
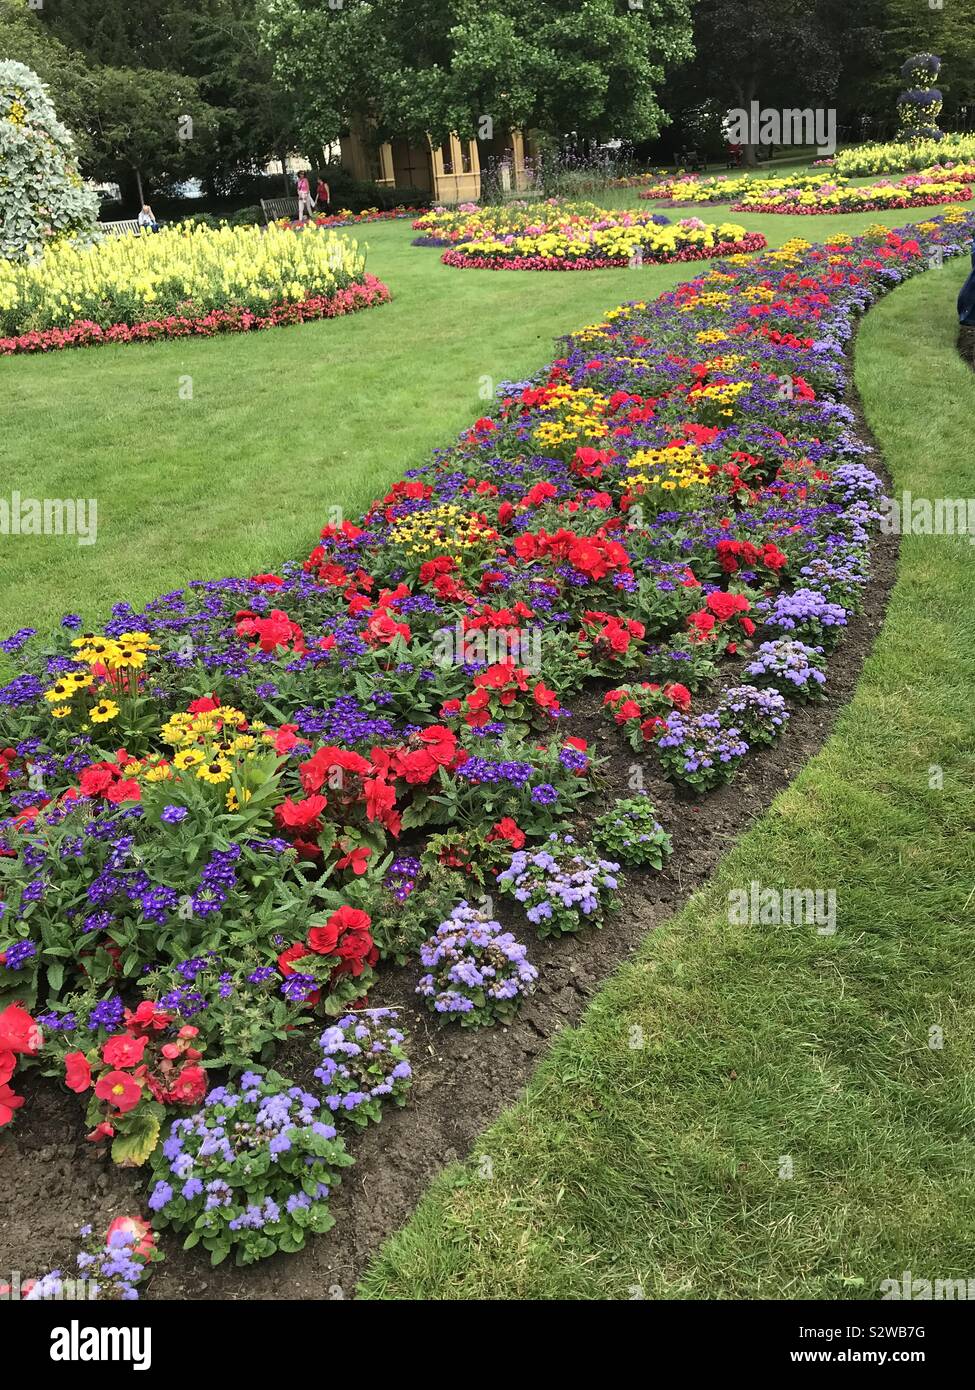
793, 668
561, 889
759, 714
250, 1172
109, 1269
363, 1063
630, 832
700, 752
477, 972
806, 614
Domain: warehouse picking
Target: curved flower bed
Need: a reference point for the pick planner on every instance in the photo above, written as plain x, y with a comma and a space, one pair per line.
467, 223
371, 291
693, 190
221, 814
911, 192
688, 240
349, 219
184, 280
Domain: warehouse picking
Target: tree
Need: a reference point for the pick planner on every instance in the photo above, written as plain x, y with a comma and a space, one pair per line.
42, 196
24, 39
149, 127
585, 67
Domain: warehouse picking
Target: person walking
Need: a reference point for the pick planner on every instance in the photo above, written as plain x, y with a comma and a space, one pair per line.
305, 208
323, 194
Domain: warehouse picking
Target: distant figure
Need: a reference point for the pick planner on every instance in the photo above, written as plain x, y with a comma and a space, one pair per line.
305, 207
966, 298
147, 219
322, 195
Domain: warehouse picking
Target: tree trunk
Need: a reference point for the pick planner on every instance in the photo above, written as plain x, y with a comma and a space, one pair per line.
138, 184
285, 185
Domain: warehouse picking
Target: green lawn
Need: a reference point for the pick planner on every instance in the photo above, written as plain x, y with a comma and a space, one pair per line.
658, 1170
283, 425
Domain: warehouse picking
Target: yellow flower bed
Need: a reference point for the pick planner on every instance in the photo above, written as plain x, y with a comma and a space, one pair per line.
787, 196
619, 245
185, 269
899, 156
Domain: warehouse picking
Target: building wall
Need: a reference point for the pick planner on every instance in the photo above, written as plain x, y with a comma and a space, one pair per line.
450, 173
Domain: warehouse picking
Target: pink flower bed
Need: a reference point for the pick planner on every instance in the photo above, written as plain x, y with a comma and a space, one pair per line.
87, 334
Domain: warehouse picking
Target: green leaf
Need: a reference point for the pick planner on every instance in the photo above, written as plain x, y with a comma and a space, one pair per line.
131, 1149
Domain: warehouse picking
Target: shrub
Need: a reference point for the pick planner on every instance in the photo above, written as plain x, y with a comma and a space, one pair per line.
363, 1063
630, 832
251, 1172
478, 973
560, 888
43, 200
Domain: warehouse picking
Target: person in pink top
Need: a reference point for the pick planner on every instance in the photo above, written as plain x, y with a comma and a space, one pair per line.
305, 206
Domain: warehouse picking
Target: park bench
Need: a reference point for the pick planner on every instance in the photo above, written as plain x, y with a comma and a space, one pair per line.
120, 228
689, 160
273, 208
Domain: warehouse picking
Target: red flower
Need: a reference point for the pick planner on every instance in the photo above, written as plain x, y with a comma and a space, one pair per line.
101, 1131
357, 860
509, 830
190, 1086
18, 1031
9, 1102
293, 953
123, 1051
77, 1072
119, 1089
147, 1018
142, 1233
301, 815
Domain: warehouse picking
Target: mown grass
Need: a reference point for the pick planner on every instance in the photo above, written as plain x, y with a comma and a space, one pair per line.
658, 1171
282, 425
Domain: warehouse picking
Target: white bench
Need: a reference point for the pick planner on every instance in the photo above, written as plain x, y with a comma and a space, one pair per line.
273, 208
120, 228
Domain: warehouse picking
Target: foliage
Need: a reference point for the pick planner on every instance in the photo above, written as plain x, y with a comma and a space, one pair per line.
251, 1172
42, 198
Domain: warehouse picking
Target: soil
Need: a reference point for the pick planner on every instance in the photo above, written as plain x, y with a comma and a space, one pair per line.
51, 1181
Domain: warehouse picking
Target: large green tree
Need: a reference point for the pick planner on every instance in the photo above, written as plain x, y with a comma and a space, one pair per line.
589, 68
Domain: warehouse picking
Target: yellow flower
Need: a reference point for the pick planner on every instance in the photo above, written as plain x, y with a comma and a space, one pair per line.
104, 711
187, 758
60, 711
216, 771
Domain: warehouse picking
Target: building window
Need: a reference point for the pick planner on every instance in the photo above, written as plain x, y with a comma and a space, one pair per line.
447, 156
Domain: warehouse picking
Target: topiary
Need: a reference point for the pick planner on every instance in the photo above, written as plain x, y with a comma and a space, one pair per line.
42, 196
919, 106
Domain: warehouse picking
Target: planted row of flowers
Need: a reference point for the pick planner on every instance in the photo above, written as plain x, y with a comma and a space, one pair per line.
688, 190
894, 156
572, 236
187, 280
688, 240
910, 192
443, 226
222, 814
332, 220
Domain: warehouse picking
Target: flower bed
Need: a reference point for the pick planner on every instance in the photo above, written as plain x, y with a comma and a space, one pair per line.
554, 217
688, 240
349, 219
223, 814
915, 191
896, 156
182, 281
695, 190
